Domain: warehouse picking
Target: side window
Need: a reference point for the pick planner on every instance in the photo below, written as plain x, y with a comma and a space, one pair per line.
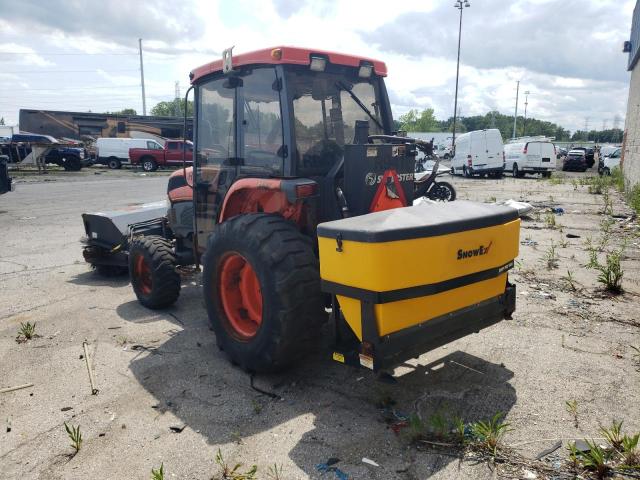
172, 146
152, 145
262, 123
216, 134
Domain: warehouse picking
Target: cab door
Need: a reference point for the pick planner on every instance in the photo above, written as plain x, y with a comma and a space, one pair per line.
216, 150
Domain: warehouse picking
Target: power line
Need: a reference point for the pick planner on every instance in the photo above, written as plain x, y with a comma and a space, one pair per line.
46, 72
63, 54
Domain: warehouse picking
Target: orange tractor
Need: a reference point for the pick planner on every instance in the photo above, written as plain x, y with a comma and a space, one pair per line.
300, 203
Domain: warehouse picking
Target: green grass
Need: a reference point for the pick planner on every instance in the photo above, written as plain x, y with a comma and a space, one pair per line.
489, 433
233, 473
27, 331
158, 474
596, 459
74, 435
611, 272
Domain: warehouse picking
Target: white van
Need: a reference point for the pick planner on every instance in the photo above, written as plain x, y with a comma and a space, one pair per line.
530, 155
115, 151
479, 153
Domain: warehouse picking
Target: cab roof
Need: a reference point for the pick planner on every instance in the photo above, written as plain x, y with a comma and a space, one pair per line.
288, 56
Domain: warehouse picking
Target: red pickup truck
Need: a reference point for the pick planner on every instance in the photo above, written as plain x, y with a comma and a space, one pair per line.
156, 155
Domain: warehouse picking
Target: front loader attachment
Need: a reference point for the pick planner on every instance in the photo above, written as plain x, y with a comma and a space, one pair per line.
408, 280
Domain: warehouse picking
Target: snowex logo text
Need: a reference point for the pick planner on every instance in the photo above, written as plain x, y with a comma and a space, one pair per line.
474, 252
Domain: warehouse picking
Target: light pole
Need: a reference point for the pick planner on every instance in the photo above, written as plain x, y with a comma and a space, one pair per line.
526, 100
515, 116
460, 5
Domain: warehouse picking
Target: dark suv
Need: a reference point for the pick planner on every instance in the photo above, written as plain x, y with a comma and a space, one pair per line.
576, 159
589, 155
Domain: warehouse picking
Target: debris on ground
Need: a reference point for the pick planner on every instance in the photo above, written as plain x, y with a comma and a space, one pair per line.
18, 387
368, 461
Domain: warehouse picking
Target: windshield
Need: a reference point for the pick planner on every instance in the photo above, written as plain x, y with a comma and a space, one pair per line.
325, 114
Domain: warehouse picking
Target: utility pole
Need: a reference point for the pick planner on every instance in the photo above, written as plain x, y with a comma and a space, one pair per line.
144, 99
515, 116
526, 102
460, 5
176, 106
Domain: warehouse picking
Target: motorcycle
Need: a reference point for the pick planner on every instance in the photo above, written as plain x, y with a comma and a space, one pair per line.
438, 191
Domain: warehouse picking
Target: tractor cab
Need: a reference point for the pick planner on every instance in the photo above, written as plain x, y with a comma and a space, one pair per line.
286, 119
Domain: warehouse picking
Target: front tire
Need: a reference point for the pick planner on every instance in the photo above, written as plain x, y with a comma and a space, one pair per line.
261, 285
152, 270
72, 164
444, 192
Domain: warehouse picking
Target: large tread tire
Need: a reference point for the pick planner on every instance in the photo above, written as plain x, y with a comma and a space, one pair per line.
157, 254
288, 274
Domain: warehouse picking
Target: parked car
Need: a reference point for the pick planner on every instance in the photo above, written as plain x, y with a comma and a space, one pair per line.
6, 183
575, 160
115, 151
443, 151
70, 157
609, 162
479, 153
561, 152
589, 155
530, 156
169, 155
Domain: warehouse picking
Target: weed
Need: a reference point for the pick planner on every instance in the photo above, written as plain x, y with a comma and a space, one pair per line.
438, 425
121, 340
490, 433
608, 203
575, 184
551, 257
234, 473
595, 459
556, 180
611, 272
257, 407
490, 200
617, 179
570, 281
415, 428
572, 408
158, 474
630, 452
564, 243
598, 185
550, 220
636, 356
275, 472
460, 429
634, 198
74, 435
613, 435
605, 226
27, 331
536, 215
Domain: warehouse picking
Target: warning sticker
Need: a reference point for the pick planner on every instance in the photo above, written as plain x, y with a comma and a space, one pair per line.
372, 152
338, 357
366, 361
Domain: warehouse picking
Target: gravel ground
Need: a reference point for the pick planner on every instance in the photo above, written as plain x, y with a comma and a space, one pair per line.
167, 395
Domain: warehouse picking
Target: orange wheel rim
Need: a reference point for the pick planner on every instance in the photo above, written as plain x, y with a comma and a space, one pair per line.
142, 273
241, 296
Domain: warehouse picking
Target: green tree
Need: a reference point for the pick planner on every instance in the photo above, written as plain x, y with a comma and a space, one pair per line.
173, 108
414, 121
127, 111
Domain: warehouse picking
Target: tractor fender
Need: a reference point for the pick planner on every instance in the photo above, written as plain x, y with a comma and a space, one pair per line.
268, 195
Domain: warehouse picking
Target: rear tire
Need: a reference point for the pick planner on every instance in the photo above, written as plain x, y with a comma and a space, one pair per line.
114, 163
516, 172
261, 285
152, 270
149, 164
546, 174
467, 172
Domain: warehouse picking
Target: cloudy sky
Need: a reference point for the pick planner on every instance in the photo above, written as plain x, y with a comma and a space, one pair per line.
82, 55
